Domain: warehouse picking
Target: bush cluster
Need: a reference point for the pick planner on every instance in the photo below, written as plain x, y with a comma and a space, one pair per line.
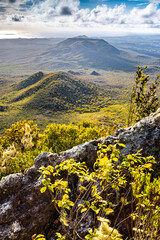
108, 187
23, 142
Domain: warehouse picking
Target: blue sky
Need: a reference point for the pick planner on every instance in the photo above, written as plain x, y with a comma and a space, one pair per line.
56, 18
129, 4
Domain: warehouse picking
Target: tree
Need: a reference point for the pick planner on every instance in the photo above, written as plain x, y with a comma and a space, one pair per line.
143, 98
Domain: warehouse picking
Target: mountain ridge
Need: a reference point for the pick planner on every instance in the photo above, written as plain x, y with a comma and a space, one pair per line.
26, 56
90, 52
29, 81
54, 91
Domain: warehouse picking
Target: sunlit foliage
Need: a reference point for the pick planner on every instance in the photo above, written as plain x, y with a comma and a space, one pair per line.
23, 142
143, 100
132, 181
60, 137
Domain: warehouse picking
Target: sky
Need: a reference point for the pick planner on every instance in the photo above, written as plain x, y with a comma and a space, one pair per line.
67, 18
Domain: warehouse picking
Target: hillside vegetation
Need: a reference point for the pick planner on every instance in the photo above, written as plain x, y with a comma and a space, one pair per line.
58, 92
60, 97
122, 188
22, 143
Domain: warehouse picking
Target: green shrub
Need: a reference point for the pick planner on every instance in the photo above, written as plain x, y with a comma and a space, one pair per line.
22, 142
143, 100
60, 137
146, 195
19, 147
24, 135
103, 178
132, 181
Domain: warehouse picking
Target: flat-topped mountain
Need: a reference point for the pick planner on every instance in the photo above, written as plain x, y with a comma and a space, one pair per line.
25, 56
87, 46
87, 52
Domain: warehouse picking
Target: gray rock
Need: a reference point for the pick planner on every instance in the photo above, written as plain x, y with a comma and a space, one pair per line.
24, 211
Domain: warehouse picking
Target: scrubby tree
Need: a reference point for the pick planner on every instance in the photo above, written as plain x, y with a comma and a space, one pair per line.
143, 98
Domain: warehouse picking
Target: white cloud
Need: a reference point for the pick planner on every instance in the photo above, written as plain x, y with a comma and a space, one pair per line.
50, 11
53, 8
155, 1
149, 15
104, 15
65, 17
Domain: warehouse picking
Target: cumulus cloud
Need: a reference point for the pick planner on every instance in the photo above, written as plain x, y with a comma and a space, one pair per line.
66, 15
15, 6
17, 18
148, 15
102, 14
10, 1
2, 9
66, 11
50, 8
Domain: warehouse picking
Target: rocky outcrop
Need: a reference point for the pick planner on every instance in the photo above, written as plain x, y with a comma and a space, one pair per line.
25, 211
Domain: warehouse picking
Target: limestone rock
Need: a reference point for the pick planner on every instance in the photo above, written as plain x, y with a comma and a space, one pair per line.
24, 211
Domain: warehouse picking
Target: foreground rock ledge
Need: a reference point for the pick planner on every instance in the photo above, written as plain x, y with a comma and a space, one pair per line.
25, 211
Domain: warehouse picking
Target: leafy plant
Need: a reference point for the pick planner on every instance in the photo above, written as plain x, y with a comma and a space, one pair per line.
146, 195
24, 135
105, 232
60, 137
132, 181
22, 142
92, 189
143, 100
18, 147
39, 237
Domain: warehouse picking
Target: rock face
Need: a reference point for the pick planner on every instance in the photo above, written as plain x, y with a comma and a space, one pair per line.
24, 211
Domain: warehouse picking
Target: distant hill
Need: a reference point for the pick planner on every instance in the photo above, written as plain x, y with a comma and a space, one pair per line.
74, 73
87, 52
81, 36
87, 46
55, 92
94, 73
21, 57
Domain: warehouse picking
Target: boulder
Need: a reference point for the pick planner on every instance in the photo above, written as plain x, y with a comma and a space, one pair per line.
25, 211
